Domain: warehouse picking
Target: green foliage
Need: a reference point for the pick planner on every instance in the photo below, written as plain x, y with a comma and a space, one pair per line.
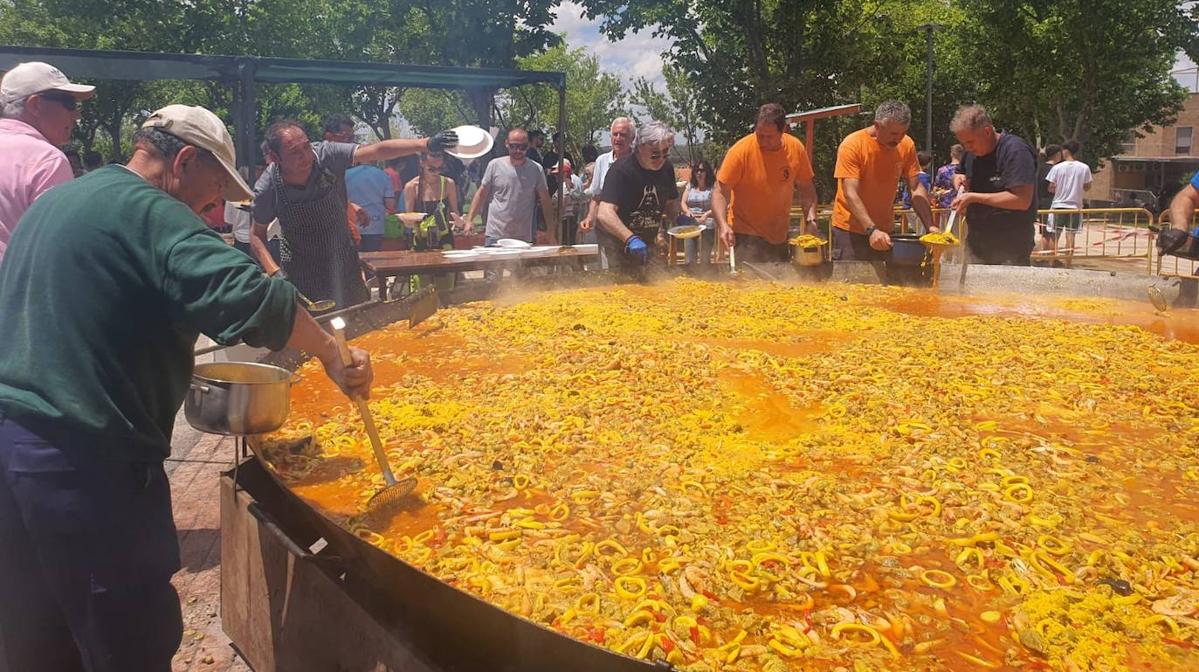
593, 98
678, 106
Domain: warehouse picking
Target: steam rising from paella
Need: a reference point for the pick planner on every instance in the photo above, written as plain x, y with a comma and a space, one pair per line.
755, 477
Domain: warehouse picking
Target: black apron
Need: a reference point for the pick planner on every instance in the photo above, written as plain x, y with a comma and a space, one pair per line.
319, 255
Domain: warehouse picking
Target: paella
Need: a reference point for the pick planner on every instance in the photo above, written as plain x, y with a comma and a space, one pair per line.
750, 476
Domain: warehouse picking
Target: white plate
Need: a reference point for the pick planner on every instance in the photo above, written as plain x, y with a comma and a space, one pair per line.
513, 243
503, 252
459, 254
473, 142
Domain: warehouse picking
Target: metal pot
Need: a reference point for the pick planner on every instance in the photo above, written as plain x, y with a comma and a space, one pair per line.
237, 398
907, 250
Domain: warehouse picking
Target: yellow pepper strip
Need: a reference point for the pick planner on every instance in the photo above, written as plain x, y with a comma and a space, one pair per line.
588, 603
633, 640
627, 566
990, 617
584, 496
966, 555
699, 601
889, 646
1127, 599
900, 548
785, 650
1048, 521
655, 606
504, 535
668, 565
1014, 480
1042, 561
696, 485
988, 454
560, 512
874, 637
1053, 545
739, 566
822, 564
648, 555
768, 556
638, 618
610, 545
668, 531
1020, 493
1158, 618
567, 616
744, 580
684, 621
938, 579
759, 546
630, 587
642, 525
520, 481
978, 661
530, 524
647, 646
503, 545
979, 582
585, 554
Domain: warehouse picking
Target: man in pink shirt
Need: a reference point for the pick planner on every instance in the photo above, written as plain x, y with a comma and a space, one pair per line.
39, 107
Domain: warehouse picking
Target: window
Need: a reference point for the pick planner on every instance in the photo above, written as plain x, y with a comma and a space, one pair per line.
1182, 140
1129, 146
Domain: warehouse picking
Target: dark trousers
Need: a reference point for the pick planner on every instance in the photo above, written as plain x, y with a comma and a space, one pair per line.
849, 246
1001, 245
87, 550
759, 250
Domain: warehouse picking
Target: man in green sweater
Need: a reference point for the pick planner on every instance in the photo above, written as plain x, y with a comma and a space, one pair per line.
103, 291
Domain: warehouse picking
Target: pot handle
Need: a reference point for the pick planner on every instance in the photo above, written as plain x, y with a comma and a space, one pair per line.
202, 389
267, 521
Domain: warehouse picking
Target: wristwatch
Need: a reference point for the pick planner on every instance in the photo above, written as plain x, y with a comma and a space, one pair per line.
870, 231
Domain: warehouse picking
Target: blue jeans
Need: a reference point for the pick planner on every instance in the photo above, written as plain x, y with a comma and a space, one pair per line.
87, 550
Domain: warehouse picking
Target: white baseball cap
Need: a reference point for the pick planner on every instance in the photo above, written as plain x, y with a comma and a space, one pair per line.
197, 126
26, 79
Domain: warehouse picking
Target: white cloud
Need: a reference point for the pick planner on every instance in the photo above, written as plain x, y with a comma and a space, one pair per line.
638, 55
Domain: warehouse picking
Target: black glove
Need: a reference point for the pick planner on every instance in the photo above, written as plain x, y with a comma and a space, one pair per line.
443, 141
1170, 240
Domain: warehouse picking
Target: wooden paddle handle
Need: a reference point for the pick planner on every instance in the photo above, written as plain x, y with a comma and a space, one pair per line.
364, 410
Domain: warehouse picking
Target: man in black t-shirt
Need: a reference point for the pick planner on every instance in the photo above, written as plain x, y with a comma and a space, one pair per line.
1000, 172
639, 197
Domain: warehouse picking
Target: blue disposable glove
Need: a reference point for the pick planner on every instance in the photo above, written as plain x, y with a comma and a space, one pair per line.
636, 248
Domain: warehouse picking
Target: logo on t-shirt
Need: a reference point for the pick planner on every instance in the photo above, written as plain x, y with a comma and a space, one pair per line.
786, 173
648, 213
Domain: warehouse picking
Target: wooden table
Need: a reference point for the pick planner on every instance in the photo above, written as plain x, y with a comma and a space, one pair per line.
391, 264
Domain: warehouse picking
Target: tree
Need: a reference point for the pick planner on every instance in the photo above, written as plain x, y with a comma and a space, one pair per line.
1087, 70
593, 98
678, 106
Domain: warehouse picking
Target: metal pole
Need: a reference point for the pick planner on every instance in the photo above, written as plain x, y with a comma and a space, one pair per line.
928, 29
562, 238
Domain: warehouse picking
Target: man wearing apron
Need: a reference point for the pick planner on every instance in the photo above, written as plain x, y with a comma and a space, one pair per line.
305, 188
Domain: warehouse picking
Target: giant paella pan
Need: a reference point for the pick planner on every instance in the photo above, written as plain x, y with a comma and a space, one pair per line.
752, 475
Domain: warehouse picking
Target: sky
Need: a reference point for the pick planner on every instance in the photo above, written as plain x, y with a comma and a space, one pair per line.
638, 55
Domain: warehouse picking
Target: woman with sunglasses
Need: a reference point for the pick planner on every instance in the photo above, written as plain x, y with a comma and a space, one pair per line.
639, 196
697, 198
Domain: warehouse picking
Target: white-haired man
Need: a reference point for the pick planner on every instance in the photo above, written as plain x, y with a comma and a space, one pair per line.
623, 132
639, 197
39, 108
1000, 171
109, 281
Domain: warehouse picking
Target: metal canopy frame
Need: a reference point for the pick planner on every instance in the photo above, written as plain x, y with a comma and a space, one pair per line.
810, 117
244, 72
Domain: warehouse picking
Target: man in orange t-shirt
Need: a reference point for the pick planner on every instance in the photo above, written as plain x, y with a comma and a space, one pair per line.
760, 173
870, 163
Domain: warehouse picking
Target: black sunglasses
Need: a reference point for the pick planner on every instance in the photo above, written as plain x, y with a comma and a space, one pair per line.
66, 100
520, 147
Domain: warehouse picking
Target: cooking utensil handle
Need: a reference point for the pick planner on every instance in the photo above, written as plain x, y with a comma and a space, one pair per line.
268, 523
364, 410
